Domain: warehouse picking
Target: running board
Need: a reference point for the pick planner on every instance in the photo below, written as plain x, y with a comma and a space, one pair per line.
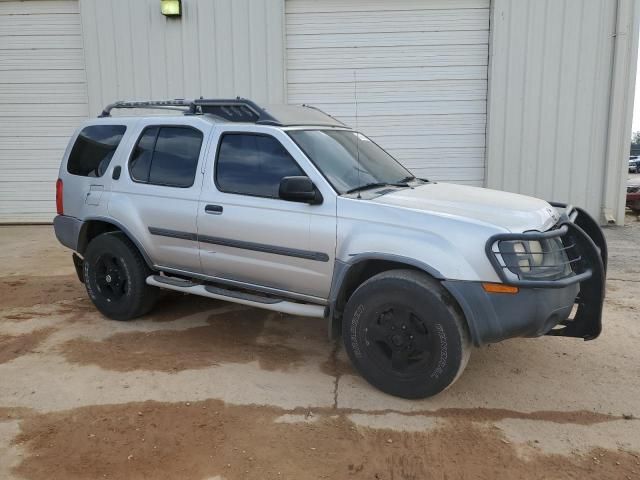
249, 299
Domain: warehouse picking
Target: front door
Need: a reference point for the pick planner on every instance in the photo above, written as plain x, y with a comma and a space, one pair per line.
247, 233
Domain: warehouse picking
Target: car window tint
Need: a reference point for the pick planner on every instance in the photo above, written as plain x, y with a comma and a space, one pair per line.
166, 156
253, 165
93, 150
175, 157
141, 157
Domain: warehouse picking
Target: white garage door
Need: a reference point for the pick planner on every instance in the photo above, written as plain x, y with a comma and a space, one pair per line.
421, 70
43, 97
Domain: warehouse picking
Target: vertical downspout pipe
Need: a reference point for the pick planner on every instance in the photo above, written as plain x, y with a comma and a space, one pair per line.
623, 79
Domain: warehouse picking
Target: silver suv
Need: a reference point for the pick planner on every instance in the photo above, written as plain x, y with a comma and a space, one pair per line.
287, 209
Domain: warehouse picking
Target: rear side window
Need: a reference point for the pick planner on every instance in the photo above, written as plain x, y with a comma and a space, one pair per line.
141, 157
166, 156
252, 164
93, 150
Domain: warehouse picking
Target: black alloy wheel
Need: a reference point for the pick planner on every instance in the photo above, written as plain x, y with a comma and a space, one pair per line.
405, 334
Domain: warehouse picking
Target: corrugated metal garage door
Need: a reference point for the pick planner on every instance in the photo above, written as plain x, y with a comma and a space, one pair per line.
421, 67
43, 97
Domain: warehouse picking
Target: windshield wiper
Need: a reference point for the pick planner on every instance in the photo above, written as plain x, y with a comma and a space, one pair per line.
410, 178
367, 186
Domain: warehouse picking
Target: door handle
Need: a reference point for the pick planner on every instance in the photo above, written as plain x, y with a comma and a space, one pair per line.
213, 209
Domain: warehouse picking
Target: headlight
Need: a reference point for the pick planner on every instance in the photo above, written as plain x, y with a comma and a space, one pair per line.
535, 259
537, 254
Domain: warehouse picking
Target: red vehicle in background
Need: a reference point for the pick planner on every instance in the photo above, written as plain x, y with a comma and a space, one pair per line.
633, 195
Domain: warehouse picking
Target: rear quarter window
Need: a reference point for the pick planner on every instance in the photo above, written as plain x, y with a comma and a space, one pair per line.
93, 150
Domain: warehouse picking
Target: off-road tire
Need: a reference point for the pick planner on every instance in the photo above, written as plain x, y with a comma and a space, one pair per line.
406, 309
134, 297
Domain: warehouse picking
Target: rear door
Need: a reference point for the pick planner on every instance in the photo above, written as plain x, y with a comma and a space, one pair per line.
156, 196
248, 234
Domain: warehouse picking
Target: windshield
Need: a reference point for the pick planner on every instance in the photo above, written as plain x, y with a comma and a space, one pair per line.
349, 164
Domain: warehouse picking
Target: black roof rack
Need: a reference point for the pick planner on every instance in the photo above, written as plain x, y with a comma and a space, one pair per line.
235, 110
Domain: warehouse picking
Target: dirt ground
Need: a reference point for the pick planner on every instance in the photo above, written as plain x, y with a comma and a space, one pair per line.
205, 390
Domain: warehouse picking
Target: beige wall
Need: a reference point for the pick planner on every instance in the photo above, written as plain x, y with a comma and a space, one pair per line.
218, 48
551, 102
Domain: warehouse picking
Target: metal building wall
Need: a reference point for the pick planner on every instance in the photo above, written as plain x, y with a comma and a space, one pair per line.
217, 48
552, 107
421, 73
43, 98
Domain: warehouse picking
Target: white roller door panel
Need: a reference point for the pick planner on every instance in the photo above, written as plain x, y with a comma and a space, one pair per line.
43, 98
42, 94
421, 68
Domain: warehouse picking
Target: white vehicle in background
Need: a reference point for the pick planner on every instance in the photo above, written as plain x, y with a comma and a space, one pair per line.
287, 209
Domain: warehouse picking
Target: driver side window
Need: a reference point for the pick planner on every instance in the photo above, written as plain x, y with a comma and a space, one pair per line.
253, 164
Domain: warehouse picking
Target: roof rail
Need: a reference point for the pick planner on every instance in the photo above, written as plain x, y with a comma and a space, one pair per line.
236, 110
233, 109
151, 104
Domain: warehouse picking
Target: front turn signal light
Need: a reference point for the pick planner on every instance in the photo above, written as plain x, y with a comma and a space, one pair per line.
499, 288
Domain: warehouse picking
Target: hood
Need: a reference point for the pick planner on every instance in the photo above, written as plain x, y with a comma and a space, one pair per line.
516, 213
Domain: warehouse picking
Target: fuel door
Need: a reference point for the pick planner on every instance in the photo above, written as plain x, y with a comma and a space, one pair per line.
94, 195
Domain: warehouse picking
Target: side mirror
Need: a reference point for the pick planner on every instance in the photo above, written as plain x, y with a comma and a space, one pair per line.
299, 189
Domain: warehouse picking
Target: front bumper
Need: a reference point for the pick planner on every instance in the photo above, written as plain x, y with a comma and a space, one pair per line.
495, 317
543, 307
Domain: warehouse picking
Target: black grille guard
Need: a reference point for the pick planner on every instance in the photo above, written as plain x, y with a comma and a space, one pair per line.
587, 250
587, 322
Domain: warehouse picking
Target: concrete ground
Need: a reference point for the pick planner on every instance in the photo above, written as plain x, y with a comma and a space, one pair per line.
202, 389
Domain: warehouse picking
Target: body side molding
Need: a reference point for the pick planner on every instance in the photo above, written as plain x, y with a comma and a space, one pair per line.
241, 244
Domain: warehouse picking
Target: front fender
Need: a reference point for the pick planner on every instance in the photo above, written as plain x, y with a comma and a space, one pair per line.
341, 273
457, 253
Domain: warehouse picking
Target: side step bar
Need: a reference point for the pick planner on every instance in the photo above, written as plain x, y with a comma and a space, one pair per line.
258, 301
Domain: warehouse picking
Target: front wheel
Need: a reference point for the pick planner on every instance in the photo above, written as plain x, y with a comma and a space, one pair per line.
404, 334
115, 277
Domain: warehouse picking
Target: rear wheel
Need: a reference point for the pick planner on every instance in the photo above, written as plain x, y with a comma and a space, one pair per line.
115, 277
405, 335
